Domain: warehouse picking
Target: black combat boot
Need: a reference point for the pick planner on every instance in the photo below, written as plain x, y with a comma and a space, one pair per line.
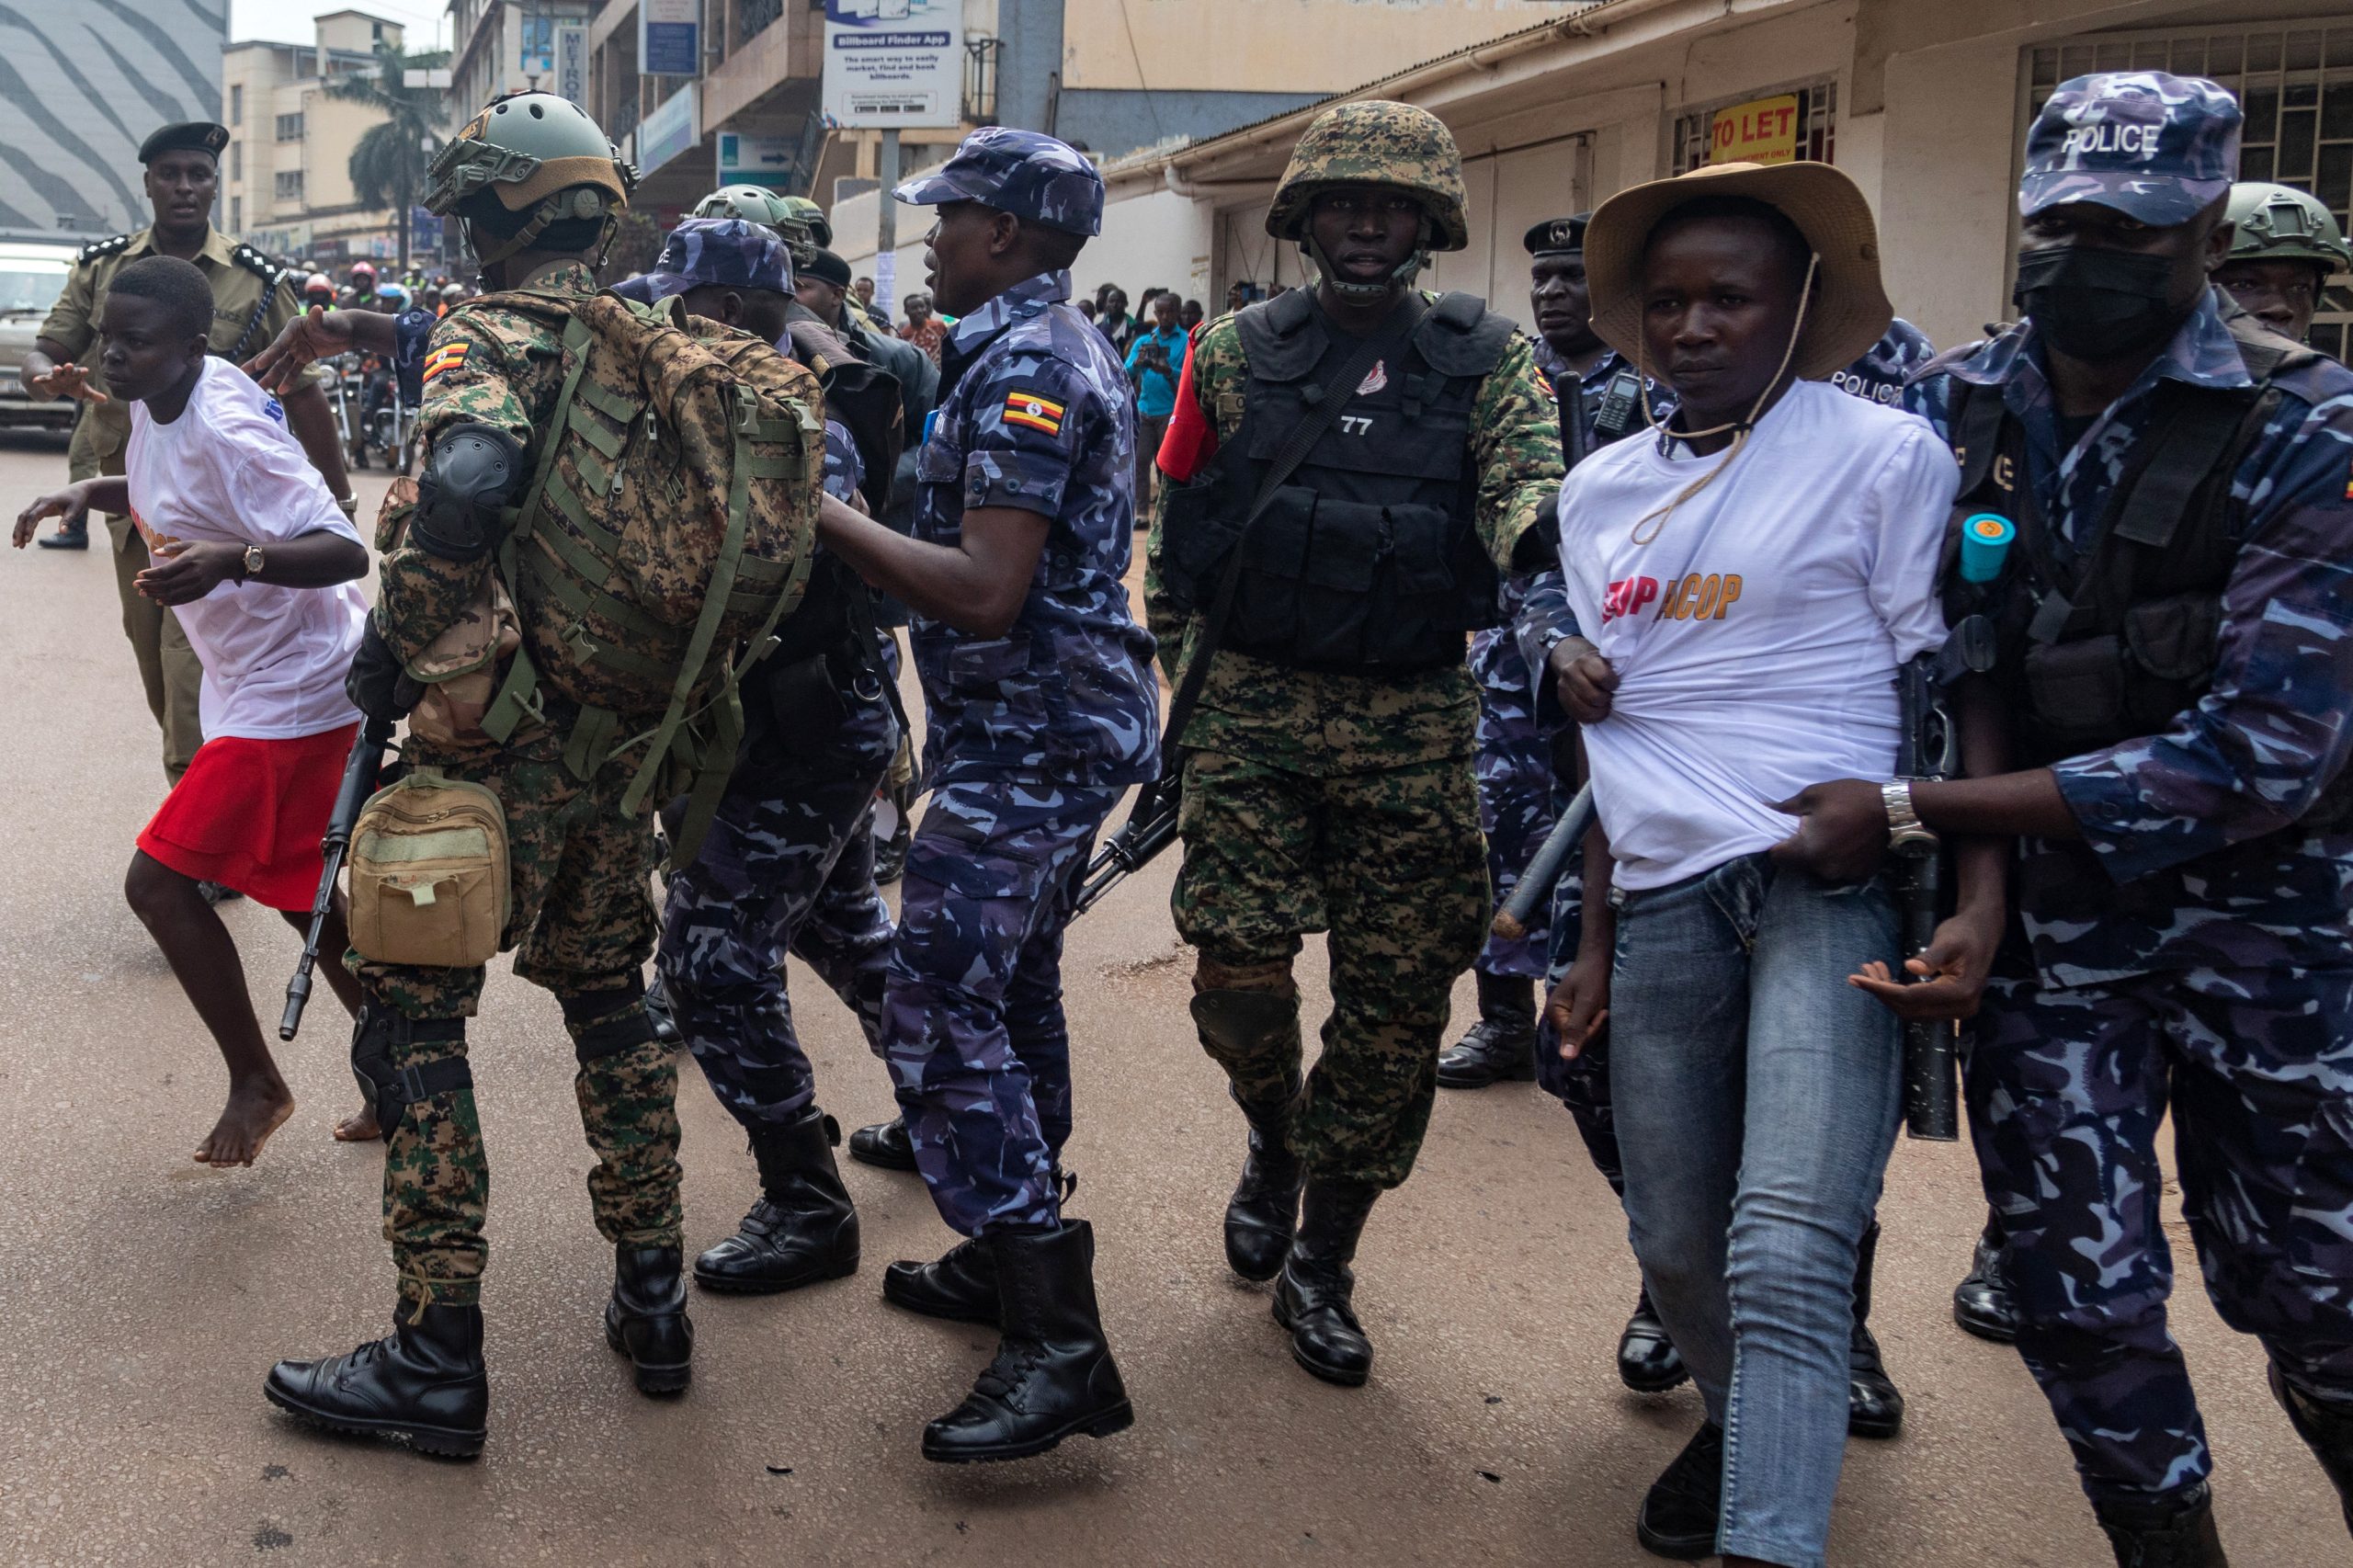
884, 1145
1263, 1214
1648, 1361
1315, 1297
1982, 1303
1683, 1507
75, 537
424, 1382
1053, 1376
646, 1320
802, 1229
2168, 1532
1501, 1047
661, 1015
961, 1287
2326, 1429
1874, 1405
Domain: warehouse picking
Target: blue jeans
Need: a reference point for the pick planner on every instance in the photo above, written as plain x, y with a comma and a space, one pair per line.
1755, 1094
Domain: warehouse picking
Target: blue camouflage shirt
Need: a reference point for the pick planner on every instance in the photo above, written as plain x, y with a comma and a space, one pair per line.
1034, 413
2184, 863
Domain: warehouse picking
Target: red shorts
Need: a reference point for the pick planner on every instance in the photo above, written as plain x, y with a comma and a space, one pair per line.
249, 815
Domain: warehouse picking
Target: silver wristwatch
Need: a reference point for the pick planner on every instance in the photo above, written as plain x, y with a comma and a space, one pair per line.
1904, 823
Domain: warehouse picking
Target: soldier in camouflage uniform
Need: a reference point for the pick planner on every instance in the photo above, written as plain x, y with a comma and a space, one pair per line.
2179, 940
2285, 246
538, 189
1327, 781
789, 862
1042, 709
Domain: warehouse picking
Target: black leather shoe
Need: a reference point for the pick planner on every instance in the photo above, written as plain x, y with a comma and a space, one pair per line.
1874, 1405
2168, 1532
659, 1014
1685, 1505
646, 1320
1982, 1303
2327, 1430
1053, 1376
961, 1287
1315, 1297
1263, 1214
1648, 1361
803, 1227
884, 1145
66, 538
424, 1382
891, 854
1501, 1047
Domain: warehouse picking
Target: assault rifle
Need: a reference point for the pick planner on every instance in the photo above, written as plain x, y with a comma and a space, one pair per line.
360, 773
1929, 747
1150, 827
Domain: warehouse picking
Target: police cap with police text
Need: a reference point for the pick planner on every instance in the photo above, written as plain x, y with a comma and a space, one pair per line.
1555, 236
1026, 173
2157, 148
189, 136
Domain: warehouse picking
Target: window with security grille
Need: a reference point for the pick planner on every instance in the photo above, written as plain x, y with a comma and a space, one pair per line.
2296, 87
290, 184
1817, 113
290, 127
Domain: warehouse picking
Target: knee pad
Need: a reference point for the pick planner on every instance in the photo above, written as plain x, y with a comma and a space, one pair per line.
1242, 1022
391, 1090
605, 1022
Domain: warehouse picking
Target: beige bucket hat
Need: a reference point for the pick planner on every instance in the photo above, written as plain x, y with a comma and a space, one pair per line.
1851, 311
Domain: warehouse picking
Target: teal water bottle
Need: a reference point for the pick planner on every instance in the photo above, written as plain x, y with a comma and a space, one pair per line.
1985, 539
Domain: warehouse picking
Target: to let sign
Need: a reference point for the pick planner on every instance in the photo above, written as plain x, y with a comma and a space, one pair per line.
1762, 131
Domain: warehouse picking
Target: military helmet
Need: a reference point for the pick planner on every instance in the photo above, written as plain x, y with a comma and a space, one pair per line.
532, 149
752, 203
812, 217
2278, 222
1375, 143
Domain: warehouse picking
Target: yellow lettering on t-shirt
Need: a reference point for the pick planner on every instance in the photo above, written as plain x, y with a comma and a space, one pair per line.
1732, 592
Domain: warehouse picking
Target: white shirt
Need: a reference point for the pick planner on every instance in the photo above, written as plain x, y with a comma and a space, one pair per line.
228, 469
1756, 639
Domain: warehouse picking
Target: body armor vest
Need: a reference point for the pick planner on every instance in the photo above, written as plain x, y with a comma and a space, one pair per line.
2109, 637
1368, 559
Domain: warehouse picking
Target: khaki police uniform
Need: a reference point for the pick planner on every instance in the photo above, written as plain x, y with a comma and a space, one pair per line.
252, 300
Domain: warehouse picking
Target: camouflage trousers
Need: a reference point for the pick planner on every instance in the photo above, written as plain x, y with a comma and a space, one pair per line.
2066, 1090
1513, 766
1391, 864
973, 1020
787, 864
581, 914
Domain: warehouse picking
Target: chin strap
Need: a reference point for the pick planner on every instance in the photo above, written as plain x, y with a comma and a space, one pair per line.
1367, 293
1740, 429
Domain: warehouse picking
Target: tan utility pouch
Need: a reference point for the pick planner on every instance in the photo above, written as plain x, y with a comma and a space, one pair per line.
429, 873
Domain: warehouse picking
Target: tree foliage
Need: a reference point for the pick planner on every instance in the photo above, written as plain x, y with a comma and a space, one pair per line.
389, 161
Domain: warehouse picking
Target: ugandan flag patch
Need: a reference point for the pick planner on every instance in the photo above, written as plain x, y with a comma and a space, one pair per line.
1034, 412
449, 357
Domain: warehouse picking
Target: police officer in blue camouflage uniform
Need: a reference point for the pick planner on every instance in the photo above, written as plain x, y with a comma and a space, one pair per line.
2163, 728
787, 864
1041, 710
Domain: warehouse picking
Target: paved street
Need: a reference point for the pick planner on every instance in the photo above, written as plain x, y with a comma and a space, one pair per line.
142, 1296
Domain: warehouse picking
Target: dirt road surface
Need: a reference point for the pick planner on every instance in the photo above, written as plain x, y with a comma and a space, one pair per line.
142, 1296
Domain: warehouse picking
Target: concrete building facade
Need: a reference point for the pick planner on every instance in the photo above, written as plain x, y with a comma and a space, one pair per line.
286, 175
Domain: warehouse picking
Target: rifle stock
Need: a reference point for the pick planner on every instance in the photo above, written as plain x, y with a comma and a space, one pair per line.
360, 772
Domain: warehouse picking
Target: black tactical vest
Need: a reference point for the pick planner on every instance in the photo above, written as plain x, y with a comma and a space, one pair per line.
1368, 559
2110, 639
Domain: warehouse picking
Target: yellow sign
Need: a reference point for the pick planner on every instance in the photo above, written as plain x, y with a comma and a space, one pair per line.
1762, 131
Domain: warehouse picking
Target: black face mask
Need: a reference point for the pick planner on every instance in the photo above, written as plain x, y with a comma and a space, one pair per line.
2095, 304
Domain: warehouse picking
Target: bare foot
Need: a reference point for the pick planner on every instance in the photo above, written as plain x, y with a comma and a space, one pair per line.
255, 1110
359, 1126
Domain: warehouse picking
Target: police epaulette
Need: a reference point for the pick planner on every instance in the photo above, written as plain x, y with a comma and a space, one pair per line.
97, 248
260, 266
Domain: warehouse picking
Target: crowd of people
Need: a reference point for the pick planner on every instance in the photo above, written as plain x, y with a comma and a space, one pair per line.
1725, 581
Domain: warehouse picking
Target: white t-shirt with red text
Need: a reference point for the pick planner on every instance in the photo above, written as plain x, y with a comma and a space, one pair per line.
228, 469
1756, 639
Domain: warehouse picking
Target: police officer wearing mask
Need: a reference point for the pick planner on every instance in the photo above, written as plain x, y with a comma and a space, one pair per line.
2164, 729
2285, 245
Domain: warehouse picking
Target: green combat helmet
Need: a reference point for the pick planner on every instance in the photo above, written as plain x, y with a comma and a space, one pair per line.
758, 204
1375, 143
821, 228
531, 150
2277, 222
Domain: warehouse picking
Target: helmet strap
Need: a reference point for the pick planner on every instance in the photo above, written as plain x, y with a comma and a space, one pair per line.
1401, 278
522, 238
